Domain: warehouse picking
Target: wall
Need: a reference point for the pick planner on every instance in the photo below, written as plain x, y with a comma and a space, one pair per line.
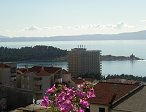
14, 97
95, 108
46, 83
66, 77
5, 75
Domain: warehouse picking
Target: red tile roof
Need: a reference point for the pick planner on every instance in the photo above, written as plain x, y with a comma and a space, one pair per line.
89, 79
48, 69
2, 65
38, 69
106, 93
80, 80
43, 73
118, 80
77, 81
64, 71
20, 72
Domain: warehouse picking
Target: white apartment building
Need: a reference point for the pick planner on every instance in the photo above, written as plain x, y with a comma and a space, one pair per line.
82, 61
38, 78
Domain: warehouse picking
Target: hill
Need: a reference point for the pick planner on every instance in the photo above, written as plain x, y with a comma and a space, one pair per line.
38, 53
141, 35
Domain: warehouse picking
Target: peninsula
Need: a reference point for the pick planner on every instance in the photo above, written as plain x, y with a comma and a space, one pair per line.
132, 57
119, 58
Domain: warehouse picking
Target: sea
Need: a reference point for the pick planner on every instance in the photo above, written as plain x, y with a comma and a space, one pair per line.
112, 47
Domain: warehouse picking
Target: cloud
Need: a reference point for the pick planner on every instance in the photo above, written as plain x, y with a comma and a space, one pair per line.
117, 26
32, 28
53, 27
86, 27
122, 25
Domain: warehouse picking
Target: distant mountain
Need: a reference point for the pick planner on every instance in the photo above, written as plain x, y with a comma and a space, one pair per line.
141, 35
1, 37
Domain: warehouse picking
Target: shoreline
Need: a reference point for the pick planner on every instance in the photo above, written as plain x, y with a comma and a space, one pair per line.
28, 61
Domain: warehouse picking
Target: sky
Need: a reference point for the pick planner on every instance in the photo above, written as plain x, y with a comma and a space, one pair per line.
44, 18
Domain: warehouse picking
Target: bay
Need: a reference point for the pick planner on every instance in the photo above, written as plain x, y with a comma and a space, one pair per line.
136, 68
113, 47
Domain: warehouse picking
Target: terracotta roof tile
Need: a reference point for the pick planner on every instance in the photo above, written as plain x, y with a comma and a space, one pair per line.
64, 71
107, 93
38, 69
20, 72
77, 81
43, 72
89, 79
2, 65
118, 80
80, 81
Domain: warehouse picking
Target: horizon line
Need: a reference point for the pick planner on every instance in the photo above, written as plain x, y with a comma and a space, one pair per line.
71, 35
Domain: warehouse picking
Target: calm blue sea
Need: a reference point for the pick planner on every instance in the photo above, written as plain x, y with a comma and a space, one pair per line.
113, 47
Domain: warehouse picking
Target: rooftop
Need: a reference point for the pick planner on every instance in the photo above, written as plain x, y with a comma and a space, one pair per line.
80, 80
2, 65
42, 71
119, 80
39, 68
106, 92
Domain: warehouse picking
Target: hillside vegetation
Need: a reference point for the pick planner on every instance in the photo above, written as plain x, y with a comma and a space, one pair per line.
31, 53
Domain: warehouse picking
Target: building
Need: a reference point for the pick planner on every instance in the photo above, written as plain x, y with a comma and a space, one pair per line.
12, 98
118, 97
38, 78
82, 61
134, 103
8, 73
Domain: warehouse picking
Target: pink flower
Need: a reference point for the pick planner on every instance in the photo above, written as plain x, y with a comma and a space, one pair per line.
84, 103
51, 90
80, 86
91, 94
69, 99
45, 101
81, 110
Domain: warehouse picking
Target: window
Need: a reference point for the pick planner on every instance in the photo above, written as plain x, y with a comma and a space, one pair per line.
101, 109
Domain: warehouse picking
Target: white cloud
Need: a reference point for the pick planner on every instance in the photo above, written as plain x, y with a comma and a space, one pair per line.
32, 28
53, 27
118, 26
101, 27
122, 25
75, 29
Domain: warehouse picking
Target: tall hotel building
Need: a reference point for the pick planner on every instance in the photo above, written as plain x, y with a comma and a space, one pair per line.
82, 61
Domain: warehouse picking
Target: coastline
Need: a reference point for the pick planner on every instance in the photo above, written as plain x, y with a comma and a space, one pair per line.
103, 58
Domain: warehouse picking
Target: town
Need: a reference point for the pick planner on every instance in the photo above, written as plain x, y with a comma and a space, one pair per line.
22, 89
